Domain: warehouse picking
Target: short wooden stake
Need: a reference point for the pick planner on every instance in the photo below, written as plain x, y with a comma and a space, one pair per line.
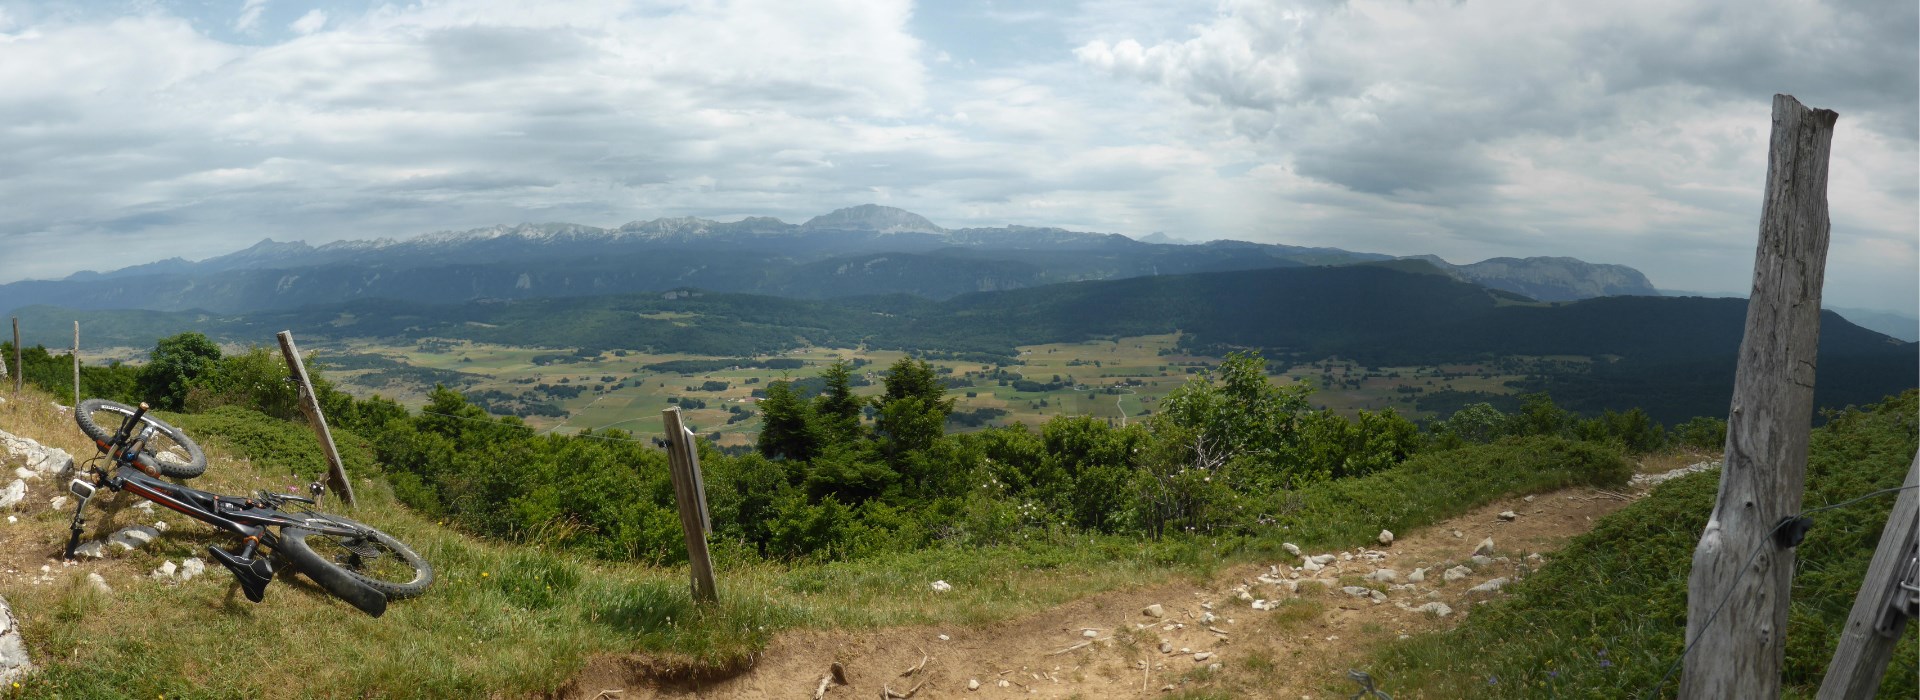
690, 494
1860, 661
310, 404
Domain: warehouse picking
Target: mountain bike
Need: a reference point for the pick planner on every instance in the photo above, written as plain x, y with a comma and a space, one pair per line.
361, 565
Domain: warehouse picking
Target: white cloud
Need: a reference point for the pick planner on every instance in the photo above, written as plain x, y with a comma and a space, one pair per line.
1630, 132
312, 21
1612, 131
249, 19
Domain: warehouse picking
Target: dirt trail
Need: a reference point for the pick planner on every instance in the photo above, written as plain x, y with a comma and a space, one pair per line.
1292, 651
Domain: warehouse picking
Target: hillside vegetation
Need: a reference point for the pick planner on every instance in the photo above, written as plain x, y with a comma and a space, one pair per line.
1562, 633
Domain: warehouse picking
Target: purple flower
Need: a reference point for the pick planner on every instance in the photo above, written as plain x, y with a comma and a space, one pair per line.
1605, 663
1493, 680
1553, 673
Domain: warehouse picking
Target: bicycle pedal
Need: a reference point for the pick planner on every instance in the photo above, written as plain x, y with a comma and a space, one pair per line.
253, 574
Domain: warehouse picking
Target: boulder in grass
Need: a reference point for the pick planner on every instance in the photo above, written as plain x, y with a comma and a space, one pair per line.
14, 663
1386, 537
133, 537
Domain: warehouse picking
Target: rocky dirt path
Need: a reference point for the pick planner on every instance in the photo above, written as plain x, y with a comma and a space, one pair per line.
1279, 630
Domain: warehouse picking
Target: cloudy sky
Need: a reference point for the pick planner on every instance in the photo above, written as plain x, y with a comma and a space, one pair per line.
1626, 131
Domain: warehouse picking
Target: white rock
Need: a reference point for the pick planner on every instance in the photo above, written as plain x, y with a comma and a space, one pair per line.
145, 507
58, 503
1202, 656
14, 494
1437, 608
1535, 558
1311, 565
1508, 515
1528, 499
1166, 647
25, 474
1384, 575
1207, 618
973, 684
191, 568
94, 549
1457, 535
1003, 683
1418, 575
1386, 537
1480, 561
938, 586
160, 525
1323, 559
1215, 667
1346, 556
1154, 610
941, 637
1089, 633
1291, 548
14, 663
1491, 587
1485, 547
1260, 604
166, 570
1457, 573
1357, 591
99, 583
133, 537
1378, 597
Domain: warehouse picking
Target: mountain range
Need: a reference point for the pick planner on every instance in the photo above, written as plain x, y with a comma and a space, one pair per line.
857, 251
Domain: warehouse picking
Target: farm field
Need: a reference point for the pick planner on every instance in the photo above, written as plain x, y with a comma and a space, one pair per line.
1119, 380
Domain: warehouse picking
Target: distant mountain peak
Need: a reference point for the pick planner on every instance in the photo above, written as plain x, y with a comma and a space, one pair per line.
873, 217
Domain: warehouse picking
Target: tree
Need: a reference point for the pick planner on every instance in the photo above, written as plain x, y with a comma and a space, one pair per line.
176, 363
836, 407
912, 413
788, 426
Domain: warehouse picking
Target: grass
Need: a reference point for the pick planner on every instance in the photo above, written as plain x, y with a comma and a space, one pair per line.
1561, 632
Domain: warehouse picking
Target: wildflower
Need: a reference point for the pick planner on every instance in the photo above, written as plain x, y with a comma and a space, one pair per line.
1604, 663
483, 574
1553, 674
1493, 680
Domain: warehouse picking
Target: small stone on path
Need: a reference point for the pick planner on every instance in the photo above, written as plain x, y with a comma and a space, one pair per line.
1508, 515
1154, 610
1386, 537
1485, 547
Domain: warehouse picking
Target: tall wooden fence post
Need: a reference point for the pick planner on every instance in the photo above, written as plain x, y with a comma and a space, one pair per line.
690, 494
1740, 654
76, 363
19, 370
1866, 645
310, 404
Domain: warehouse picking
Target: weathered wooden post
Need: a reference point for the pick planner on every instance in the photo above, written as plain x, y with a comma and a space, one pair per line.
76, 363
19, 370
690, 494
1740, 654
1866, 643
310, 405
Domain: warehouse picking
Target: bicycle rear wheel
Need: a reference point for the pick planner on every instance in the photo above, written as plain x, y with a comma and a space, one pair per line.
374, 558
167, 449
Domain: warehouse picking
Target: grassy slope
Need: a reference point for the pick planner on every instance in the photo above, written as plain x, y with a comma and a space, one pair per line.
514, 621
1606, 618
